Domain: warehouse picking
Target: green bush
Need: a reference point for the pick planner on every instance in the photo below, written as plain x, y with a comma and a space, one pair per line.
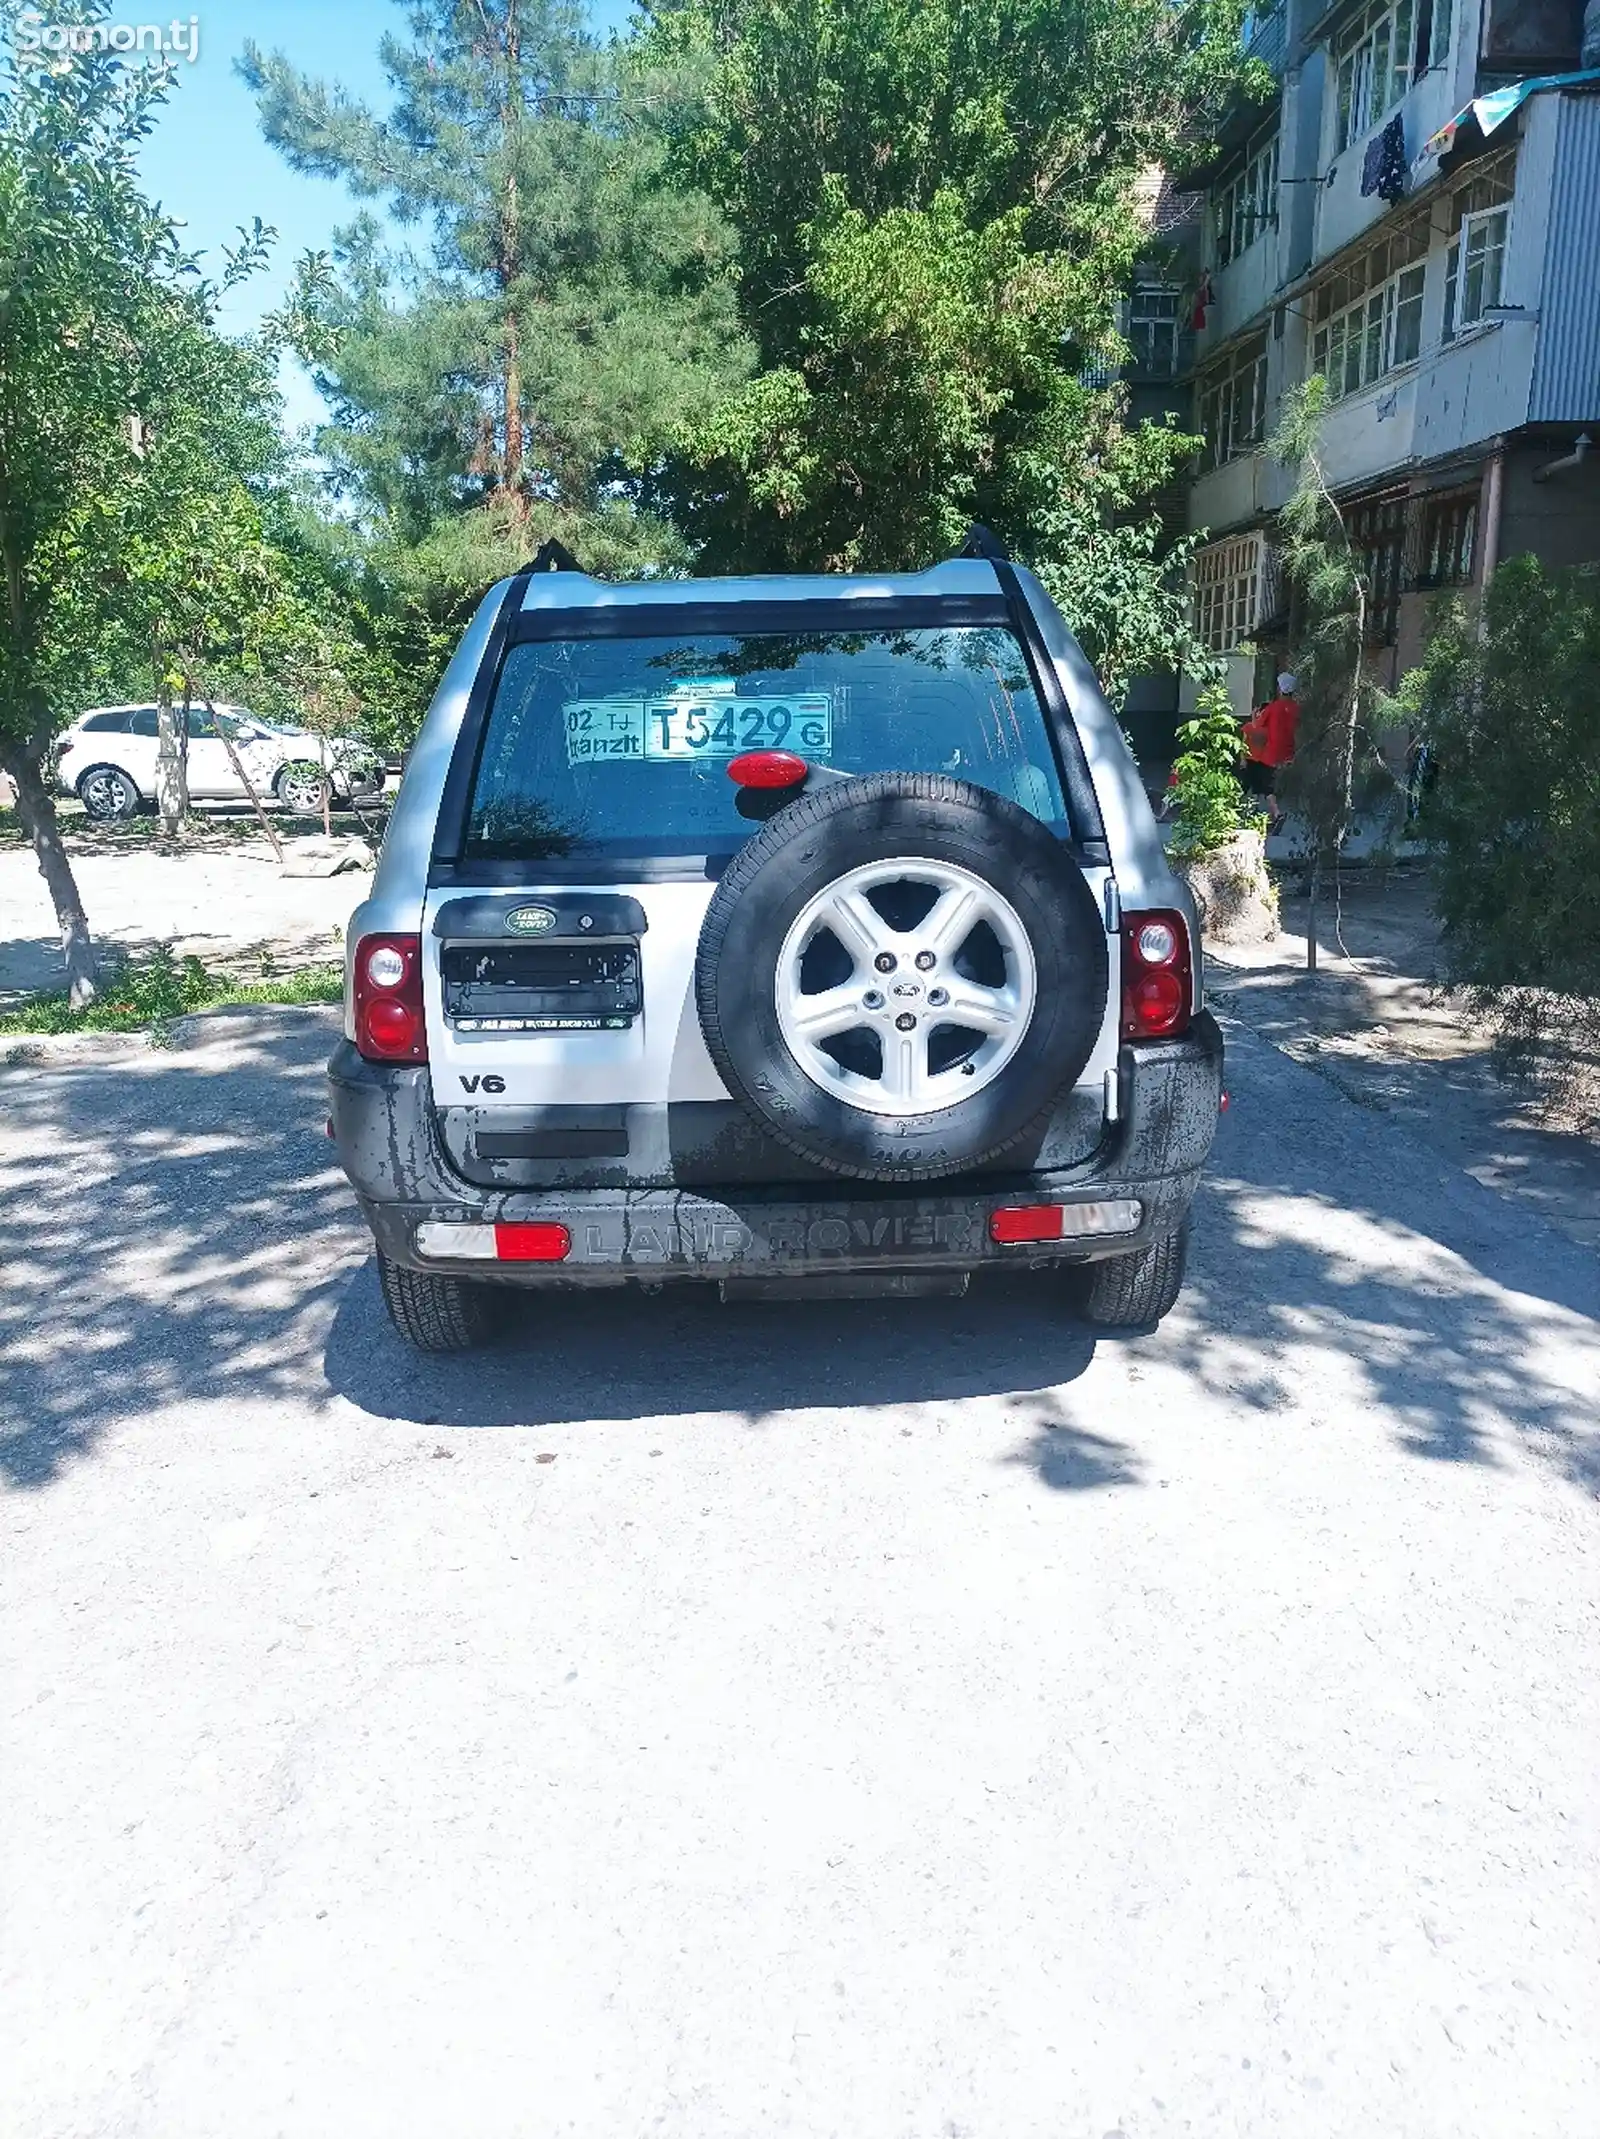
1211, 802
1511, 717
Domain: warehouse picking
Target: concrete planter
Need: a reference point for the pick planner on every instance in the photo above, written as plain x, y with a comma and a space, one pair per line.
1238, 901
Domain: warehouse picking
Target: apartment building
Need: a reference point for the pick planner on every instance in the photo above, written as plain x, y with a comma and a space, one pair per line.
1416, 216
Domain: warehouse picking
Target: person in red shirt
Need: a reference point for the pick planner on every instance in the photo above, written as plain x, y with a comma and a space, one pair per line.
1269, 738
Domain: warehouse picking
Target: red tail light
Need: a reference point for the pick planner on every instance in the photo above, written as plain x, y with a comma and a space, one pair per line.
388, 999
1157, 975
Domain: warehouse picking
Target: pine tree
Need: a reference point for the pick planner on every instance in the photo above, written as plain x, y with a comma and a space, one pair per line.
569, 306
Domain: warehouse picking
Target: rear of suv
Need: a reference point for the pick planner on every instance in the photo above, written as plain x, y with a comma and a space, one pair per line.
807, 935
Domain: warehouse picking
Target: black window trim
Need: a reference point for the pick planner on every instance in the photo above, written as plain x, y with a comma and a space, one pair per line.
1007, 607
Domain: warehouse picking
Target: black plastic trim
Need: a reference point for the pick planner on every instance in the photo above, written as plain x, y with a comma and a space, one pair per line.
575, 1143
393, 1147
650, 620
578, 920
584, 869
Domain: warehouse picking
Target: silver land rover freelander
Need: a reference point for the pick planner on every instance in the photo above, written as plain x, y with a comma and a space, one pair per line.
807, 935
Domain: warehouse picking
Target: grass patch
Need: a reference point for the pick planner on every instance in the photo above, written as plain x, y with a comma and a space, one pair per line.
163, 988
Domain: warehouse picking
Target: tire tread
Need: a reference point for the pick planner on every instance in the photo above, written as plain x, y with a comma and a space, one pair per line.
436, 1311
1136, 1291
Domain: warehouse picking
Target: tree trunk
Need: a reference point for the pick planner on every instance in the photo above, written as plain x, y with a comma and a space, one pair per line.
172, 762
512, 480
511, 259
243, 777
1311, 913
37, 810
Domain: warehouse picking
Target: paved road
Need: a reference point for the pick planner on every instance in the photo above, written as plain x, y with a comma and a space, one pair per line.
900, 1722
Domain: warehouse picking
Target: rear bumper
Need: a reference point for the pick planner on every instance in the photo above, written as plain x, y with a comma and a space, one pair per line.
383, 1126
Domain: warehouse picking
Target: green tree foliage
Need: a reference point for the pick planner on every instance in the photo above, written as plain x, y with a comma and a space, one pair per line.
1124, 587
77, 250
571, 308
934, 205
124, 419
1211, 802
1508, 705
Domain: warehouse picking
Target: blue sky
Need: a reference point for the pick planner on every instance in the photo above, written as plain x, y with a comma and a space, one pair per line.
207, 163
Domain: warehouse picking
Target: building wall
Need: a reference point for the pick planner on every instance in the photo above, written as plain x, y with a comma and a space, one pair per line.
1566, 376
1558, 520
1535, 360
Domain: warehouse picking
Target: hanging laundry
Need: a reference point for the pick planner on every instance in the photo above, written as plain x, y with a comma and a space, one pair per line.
1494, 109
1393, 169
1203, 301
1383, 168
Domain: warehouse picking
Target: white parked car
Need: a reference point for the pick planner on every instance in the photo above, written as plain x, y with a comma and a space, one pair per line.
107, 758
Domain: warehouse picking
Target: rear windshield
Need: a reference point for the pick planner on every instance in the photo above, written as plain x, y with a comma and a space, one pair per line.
617, 748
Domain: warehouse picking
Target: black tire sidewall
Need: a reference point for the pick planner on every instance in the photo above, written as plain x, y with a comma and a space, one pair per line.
895, 818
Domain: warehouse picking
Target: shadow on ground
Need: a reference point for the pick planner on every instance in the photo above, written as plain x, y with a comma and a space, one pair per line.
173, 1229
1330, 1236
615, 1355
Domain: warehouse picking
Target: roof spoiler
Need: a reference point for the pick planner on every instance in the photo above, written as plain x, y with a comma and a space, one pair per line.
552, 556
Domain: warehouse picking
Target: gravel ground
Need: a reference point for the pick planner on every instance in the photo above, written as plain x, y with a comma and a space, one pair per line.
219, 902
912, 1721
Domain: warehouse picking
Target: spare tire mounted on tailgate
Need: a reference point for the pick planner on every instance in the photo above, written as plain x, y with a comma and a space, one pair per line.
902, 975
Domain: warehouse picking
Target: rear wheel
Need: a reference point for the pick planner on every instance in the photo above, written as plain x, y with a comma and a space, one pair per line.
438, 1312
107, 795
1135, 1291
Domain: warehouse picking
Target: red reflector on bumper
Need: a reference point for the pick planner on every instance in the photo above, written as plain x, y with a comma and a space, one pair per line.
532, 1243
1029, 1221
1064, 1221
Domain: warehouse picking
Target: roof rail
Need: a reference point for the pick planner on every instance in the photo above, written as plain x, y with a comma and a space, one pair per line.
980, 543
552, 556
